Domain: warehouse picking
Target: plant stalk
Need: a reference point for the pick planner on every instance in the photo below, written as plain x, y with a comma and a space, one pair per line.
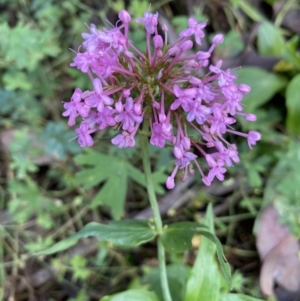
156, 212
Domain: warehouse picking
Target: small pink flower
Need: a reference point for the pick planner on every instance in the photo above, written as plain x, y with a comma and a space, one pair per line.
150, 21
84, 137
253, 137
194, 29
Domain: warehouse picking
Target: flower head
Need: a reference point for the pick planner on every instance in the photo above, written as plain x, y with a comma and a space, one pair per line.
164, 84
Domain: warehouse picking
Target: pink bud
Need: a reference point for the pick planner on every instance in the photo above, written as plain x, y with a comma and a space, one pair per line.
186, 45
124, 16
218, 39
129, 54
170, 183
250, 117
245, 89
159, 74
173, 50
186, 142
192, 63
162, 118
184, 177
97, 86
202, 55
119, 106
158, 41
177, 152
166, 129
137, 108
126, 93
164, 28
210, 160
195, 81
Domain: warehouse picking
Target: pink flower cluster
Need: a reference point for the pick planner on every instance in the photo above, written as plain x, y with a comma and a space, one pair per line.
164, 85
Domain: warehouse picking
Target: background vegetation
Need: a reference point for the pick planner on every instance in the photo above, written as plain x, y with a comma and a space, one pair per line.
50, 187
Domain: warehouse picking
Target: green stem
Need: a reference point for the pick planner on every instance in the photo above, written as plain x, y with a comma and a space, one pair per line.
156, 212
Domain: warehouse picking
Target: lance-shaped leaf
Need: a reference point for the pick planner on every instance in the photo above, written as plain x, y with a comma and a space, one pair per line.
125, 233
204, 280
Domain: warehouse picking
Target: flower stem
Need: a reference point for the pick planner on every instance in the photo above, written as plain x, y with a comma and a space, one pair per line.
156, 212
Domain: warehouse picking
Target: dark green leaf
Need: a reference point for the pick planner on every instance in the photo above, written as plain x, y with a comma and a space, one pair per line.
58, 247
204, 281
177, 237
263, 86
270, 40
132, 295
293, 105
222, 260
125, 233
177, 275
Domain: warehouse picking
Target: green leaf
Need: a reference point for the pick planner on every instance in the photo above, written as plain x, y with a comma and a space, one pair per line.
248, 9
237, 297
222, 260
177, 275
264, 85
270, 40
132, 295
114, 173
178, 237
39, 44
204, 281
58, 247
16, 80
125, 233
293, 105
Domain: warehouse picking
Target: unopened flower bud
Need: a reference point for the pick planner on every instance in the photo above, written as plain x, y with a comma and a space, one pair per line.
218, 39
159, 74
97, 86
186, 45
170, 183
129, 54
178, 152
119, 106
250, 117
195, 81
192, 63
126, 93
137, 108
124, 16
186, 142
202, 55
158, 41
162, 118
245, 89
164, 28
173, 50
